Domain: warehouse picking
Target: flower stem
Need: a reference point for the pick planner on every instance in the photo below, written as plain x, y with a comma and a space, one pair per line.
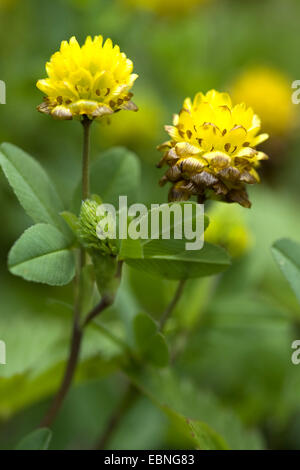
86, 122
70, 369
126, 403
172, 304
77, 335
78, 327
67, 379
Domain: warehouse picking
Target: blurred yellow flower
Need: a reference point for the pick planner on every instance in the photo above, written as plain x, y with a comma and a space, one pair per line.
166, 7
92, 80
212, 152
7, 3
268, 91
227, 228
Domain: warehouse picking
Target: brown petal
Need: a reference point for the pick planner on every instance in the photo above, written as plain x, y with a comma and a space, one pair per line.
242, 163
163, 180
102, 110
218, 159
220, 188
247, 152
185, 148
173, 174
240, 196
164, 146
247, 178
162, 161
191, 188
204, 179
130, 106
172, 157
190, 164
44, 108
61, 113
177, 194
231, 173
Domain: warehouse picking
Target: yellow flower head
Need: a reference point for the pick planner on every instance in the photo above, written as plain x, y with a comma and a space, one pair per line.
227, 228
166, 7
92, 80
269, 92
212, 151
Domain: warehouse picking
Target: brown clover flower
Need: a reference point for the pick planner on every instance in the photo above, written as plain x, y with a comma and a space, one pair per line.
212, 152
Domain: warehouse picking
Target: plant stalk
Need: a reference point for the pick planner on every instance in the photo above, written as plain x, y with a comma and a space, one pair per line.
86, 123
126, 403
78, 328
178, 293
132, 393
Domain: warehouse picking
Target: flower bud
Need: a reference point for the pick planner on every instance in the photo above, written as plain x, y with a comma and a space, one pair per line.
88, 224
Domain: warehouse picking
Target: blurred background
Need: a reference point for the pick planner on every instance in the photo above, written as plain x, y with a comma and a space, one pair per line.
232, 334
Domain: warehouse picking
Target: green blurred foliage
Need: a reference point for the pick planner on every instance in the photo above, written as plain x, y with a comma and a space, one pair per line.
230, 337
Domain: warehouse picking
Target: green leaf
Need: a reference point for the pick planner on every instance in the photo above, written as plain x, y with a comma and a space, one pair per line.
197, 415
202, 436
115, 172
71, 219
151, 344
205, 436
158, 351
170, 260
36, 440
42, 254
37, 361
144, 329
31, 185
164, 255
130, 249
287, 254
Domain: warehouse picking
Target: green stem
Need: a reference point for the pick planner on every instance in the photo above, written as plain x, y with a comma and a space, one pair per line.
86, 122
124, 406
131, 392
78, 328
172, 304
72, 362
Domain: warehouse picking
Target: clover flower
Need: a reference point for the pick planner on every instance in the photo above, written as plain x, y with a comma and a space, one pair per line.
268, 91
93, 80
212, 152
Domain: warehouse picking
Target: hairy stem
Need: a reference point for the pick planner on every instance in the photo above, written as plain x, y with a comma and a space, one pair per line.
86, 122
172, 304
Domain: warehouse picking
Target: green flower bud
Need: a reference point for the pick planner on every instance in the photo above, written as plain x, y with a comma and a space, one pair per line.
87, 229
